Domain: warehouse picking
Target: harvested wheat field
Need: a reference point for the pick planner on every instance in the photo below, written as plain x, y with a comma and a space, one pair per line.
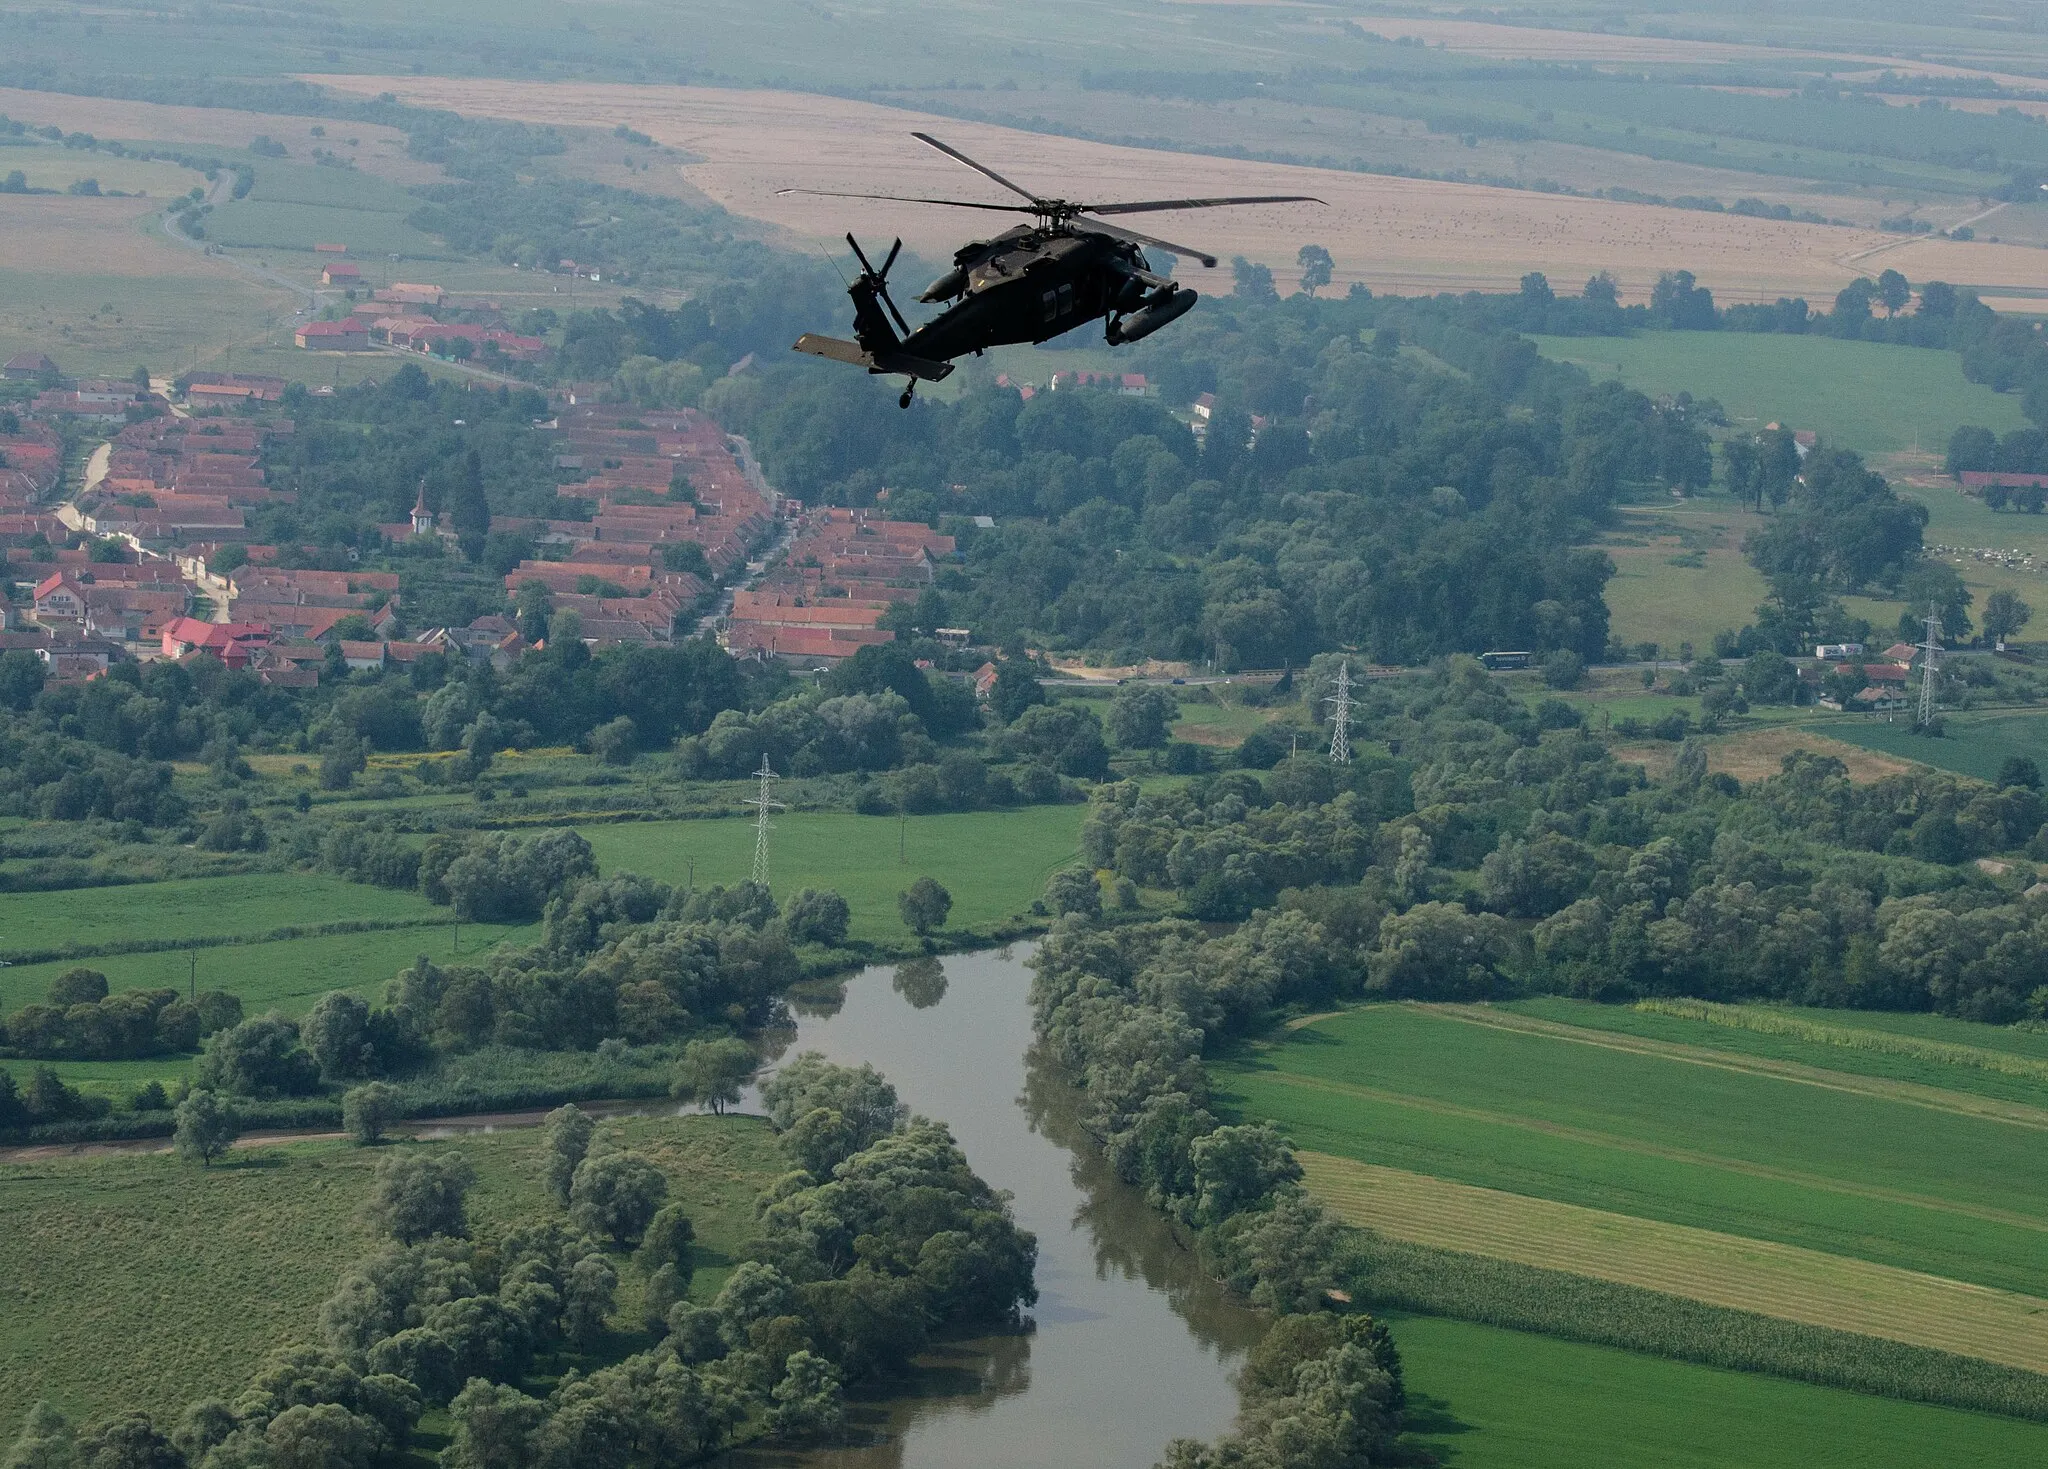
1761, 752
1699, 1264
1406, 235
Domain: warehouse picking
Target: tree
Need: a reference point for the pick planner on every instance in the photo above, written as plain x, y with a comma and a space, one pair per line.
1893, 292
345, 757
1252, 281
129, 1441
617, 1194
566, 1133
1074, 890
924, 905
2019, 770
712, 1072
1316, 268
1016, 689
1140, 715
206, 1128
368, 1110
469, 509
589, 1296
616, 741
1563, 669
322, 1436
259, 1058
494, 1427
415, 1196
46, 1441
1237, 1168
813, 916
78, 986
808, 1399
336, 1033
2005, 614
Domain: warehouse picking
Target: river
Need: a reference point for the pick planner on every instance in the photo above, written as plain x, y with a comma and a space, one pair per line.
1132, 1345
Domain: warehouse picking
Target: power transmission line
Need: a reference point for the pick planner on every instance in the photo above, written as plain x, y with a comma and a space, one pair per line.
1929, 650
763, 804
1340, 734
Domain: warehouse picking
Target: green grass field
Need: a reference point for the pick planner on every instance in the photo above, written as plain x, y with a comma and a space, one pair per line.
1973, 744
108, 323
993, 862
142, 1282
1485, 1398
1718, 1148
253, 903
1862, 395
287, 975
1651, 601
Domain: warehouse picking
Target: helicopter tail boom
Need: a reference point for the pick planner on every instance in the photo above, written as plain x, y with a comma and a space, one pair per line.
856, 355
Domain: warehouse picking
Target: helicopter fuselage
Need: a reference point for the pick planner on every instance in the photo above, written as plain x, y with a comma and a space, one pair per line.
1027, 285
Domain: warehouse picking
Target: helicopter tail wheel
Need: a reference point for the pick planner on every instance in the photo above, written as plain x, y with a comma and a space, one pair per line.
910, 388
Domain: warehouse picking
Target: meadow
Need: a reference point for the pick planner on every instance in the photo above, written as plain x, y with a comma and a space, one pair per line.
143, 1282
1486, 1398
1865, 396
161, 914
285, 974
994, 863
1848, 1169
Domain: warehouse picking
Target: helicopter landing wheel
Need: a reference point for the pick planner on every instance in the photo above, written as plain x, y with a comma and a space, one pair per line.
904, 401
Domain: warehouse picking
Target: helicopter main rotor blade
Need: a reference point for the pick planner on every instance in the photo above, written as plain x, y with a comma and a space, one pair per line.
1117, 232
981, 168
907, 199
1148, 206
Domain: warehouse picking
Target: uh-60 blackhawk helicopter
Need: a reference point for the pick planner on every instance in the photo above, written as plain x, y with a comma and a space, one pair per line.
1028, 284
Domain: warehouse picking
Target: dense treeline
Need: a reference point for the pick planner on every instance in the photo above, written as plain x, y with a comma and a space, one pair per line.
1523, 858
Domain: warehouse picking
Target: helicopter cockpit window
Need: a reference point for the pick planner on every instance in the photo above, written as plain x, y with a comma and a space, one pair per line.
1049, 305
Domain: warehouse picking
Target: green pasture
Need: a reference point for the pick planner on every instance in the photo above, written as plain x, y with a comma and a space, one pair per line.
1481, 1397
101, 323
994, 863
285, 974
1223, 725
1866, 396
257, 223
1972, 744
252, 903
1626, 1020
1649, 600
140, 1282
1751, 1155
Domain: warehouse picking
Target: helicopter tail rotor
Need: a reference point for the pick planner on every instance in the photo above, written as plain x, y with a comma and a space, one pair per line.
876, 282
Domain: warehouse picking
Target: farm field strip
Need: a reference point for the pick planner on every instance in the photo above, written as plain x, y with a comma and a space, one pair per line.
1487, 1397
1611, 1142
1909, 1092
1724, 1270
1767, 1021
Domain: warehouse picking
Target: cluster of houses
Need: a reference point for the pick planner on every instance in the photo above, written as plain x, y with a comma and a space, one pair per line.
174, 570
1885, 676
844, 569
406, 315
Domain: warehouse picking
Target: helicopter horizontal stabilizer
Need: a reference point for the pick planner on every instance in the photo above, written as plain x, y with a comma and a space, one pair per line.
858, 356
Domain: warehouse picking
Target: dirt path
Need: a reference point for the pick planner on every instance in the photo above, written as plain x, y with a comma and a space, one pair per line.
1773, 1279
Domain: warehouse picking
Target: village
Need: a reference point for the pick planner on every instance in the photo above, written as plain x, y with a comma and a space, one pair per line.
150, 554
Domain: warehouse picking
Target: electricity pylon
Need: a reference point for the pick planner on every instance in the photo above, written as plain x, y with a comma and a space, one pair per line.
763, 804
1340, 733
1928, 652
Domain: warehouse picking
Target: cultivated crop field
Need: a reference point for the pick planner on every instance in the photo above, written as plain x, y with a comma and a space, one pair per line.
143, 1282
1703, 1265
1890, 1172
1486, 1398
995, 863
1393, 233
1972, 744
